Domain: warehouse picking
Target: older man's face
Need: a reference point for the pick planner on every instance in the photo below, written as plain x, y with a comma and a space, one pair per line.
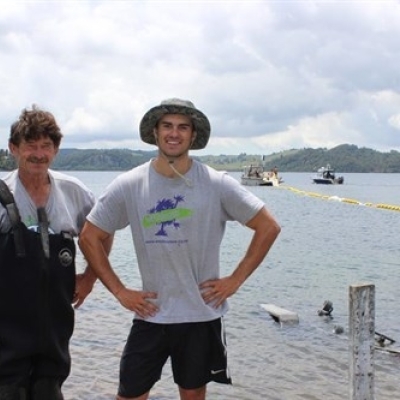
34, 156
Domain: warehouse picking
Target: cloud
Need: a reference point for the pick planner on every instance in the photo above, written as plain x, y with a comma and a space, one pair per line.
269, 75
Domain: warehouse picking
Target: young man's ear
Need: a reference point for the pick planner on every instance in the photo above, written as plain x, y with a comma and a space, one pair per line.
194, 134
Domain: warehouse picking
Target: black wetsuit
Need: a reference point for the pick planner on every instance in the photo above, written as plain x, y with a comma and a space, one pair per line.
36, 315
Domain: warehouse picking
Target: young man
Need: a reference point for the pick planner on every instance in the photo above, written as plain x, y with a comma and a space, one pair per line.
37, 263
177, 209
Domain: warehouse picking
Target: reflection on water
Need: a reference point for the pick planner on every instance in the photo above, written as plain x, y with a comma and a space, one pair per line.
325, 246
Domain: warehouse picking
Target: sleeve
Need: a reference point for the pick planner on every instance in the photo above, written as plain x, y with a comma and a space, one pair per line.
110, 212
238, 202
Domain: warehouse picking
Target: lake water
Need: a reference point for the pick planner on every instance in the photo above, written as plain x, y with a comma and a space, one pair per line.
325, 246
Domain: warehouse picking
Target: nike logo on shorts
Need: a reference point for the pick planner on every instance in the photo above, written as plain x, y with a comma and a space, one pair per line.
213, 372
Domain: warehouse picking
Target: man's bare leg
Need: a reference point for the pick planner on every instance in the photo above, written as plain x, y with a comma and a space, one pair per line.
193, 394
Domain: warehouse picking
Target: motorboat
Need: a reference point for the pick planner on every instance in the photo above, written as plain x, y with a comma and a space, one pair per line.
326, 176
254, 175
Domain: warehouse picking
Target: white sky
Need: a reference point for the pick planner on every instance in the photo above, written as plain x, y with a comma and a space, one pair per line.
270, 75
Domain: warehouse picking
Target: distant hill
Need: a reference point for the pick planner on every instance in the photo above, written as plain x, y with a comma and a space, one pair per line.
343, 158
101, 160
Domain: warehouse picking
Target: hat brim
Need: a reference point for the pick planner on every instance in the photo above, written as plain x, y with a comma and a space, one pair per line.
200, 122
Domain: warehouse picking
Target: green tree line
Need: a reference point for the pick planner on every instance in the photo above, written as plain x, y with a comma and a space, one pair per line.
343, 158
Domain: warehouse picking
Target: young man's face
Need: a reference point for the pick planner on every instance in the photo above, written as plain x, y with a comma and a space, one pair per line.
34, 156
175, 134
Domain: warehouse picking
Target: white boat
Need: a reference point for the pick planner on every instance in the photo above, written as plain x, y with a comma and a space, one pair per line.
254, 175
326, 176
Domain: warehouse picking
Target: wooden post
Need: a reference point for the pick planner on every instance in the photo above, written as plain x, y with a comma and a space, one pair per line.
362, 341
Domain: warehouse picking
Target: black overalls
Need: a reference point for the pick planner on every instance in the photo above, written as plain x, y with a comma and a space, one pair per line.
36, 315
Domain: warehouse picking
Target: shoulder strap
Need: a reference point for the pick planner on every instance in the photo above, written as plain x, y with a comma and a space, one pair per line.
7, 200
44, 231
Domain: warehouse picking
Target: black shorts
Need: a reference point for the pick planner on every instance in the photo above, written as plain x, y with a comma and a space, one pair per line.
197, 351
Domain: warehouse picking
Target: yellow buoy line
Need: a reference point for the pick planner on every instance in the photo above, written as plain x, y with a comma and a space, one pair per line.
342, 199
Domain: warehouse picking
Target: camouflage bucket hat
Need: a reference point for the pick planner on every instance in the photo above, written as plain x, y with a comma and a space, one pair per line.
176, 106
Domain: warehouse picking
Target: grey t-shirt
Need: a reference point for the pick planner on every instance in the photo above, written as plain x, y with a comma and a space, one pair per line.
68, 204
177, 228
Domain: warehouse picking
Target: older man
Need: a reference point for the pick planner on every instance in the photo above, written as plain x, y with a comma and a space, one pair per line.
43, 210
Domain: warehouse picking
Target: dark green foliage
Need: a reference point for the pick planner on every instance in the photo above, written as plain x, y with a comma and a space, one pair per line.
7, 162
100, 160
343, 158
